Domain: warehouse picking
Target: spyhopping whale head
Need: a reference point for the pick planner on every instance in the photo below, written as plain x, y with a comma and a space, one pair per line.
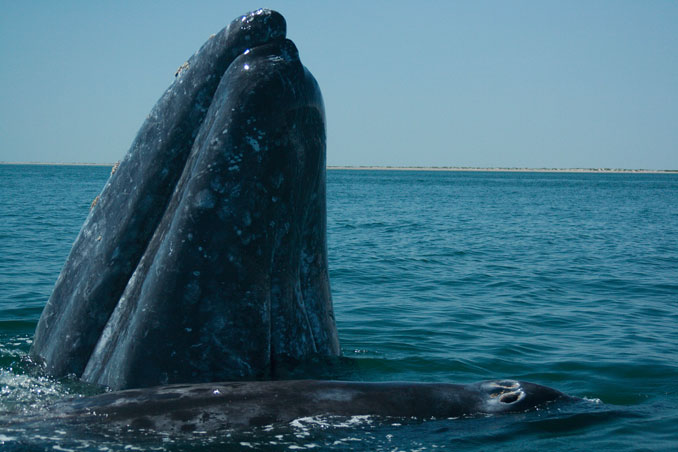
204, 257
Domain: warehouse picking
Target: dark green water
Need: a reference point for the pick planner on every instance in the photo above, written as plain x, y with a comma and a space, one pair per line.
567, 280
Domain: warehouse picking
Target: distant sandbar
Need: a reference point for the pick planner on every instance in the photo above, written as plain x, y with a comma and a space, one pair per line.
56, 164
523, 170
423, 168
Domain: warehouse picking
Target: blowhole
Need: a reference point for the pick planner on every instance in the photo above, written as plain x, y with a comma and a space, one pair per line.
509, 397
508, 384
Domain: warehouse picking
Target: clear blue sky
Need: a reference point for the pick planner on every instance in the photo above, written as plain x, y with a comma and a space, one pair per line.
447, 83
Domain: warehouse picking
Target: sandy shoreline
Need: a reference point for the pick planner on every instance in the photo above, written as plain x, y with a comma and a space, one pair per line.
56, 164
423, 168
516, 170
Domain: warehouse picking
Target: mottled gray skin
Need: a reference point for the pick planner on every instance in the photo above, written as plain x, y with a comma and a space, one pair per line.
204, 258
213, 407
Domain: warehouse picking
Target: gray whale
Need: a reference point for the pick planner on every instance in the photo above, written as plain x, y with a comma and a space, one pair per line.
204, 259
213, 407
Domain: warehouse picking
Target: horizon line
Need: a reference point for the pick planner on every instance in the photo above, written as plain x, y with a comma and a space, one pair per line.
414, 168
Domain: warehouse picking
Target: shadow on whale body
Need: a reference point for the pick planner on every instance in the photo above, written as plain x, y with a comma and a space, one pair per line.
204, 259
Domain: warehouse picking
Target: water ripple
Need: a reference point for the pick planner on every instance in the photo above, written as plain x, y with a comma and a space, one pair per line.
568, 280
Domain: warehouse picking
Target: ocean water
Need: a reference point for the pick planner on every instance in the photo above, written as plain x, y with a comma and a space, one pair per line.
565, 279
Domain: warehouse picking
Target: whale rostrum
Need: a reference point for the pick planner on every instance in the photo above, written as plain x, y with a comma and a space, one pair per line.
204, 257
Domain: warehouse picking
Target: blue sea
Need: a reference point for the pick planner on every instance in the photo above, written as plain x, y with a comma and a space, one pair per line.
569, 280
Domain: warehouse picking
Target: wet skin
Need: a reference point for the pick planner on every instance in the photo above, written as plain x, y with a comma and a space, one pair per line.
238, 405
204, 259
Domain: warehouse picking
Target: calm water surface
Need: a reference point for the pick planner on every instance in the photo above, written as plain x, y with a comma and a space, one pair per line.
568, 280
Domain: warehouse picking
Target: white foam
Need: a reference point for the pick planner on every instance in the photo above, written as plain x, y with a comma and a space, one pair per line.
331, 421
